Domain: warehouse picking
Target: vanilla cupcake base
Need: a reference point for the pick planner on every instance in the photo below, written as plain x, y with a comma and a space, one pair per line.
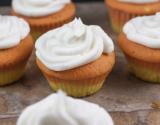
81, 81
12, 68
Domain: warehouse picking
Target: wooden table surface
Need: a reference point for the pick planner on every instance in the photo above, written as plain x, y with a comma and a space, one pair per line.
127, 98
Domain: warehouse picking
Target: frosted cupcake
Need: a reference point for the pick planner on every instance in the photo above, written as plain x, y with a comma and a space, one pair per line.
75, 58
43, 15
140, 42
58, 109
15, 48
122, 11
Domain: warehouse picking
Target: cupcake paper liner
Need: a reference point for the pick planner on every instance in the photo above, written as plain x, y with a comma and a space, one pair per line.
119, 18
11, 75
119, 14
146, 71
79, 88
36, 35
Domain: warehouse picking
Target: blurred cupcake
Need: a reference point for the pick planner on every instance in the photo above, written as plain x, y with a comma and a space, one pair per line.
59, 109
43, 15
140, 42
122, 11
75, 58
15, 48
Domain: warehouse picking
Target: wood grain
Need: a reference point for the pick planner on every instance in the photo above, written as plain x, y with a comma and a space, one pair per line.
128, 99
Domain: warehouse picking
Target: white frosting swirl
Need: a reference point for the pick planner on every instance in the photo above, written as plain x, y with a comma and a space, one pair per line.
58, 109
144, 30
12, 31
37, 8
139, 1
72, 45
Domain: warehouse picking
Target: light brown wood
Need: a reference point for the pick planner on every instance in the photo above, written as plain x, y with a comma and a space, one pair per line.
128, 99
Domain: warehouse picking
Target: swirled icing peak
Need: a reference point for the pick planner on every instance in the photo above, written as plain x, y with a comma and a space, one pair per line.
139, 1
58, 109
72, 45
12, 31
144, 30
36, 8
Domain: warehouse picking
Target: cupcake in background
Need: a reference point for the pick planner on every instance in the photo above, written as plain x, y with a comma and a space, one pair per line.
75, 58
121, 11
59, 109
140, 42
16, 45
43, 15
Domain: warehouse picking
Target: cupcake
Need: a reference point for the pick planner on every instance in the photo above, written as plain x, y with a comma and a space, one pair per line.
140, 42
121, 11
75, 58
16, 45
43, 15
59, 109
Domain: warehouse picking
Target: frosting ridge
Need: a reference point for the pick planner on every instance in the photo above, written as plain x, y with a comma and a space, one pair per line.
12, 31
58, 109
144, 30
72, 45
37, 8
